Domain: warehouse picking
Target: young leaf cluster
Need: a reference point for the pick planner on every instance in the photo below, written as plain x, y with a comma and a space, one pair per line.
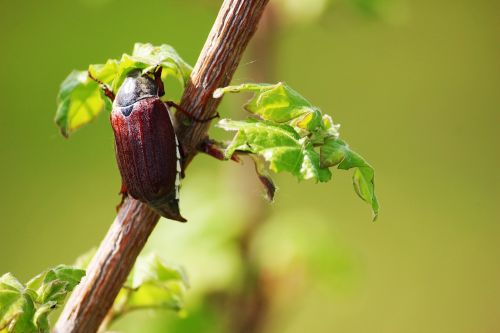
287, 132
152, 284
24, 308
292, 135
80, 98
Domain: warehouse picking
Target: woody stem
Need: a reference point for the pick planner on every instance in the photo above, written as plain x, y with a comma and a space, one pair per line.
93, 297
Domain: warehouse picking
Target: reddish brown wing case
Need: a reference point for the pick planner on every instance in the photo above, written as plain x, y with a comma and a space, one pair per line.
147, 153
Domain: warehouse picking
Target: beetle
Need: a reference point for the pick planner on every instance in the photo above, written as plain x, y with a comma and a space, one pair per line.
146, 146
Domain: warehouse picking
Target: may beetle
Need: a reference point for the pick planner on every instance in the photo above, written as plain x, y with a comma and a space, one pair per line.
146, 146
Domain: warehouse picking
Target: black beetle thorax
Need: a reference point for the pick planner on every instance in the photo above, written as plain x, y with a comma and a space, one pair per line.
134, 88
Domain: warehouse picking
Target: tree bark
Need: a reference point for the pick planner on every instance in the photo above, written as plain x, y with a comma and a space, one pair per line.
221, 54
93, 297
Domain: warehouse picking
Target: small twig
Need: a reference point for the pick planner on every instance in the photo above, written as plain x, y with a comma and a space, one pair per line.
94, 296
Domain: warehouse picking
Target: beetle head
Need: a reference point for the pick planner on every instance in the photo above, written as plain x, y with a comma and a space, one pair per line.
136, 87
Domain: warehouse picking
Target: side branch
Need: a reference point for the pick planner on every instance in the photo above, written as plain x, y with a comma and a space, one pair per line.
93, 297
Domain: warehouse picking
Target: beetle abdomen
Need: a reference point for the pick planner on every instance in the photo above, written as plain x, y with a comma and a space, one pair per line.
147, 154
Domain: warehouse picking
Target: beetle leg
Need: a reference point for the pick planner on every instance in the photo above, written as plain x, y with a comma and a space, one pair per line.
189, 115
104, 87
124, 194
159, 82
215, 149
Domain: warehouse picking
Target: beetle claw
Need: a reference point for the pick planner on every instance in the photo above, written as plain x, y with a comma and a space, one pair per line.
124, 194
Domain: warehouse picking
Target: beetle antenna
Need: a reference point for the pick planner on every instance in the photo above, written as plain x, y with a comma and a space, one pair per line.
104, 87
189, 115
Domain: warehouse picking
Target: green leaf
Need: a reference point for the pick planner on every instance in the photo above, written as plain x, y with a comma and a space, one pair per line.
279, 103
41, 316
279, 145
24, 310
9, 282
105, 73
337, 152
67, 274
309, 121
79, 101
289, 131
53, 285
166, 56
152, 268
153, 284
16, 306
147, 57
275, 102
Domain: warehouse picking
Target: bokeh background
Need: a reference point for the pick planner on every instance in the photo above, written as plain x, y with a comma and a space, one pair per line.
416, 87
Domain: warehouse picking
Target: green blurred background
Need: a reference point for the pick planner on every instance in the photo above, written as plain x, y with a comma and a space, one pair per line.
416, 87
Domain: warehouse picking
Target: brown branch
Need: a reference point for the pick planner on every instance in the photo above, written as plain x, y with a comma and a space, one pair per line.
235, 25
94, 296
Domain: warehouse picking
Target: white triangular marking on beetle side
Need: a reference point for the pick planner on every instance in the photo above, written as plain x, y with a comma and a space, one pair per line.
177, 187
177, 151
178, 175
